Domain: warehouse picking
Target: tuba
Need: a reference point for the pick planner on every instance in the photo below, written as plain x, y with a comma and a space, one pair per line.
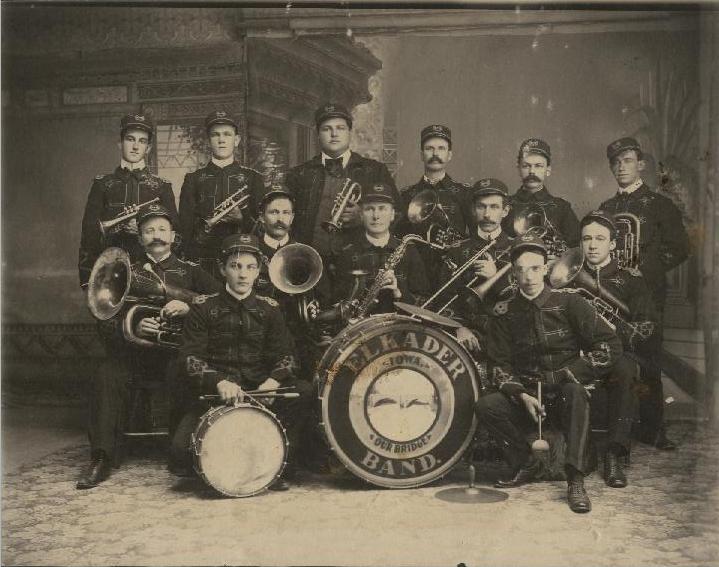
426, 208
350, 193
129, 213
628, 233
535, 218
114, 284
295, 270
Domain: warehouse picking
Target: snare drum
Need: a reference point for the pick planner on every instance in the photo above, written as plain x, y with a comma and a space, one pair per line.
397, 400
239, 450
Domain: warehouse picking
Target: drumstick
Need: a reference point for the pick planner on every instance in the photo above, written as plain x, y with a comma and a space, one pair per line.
264, 394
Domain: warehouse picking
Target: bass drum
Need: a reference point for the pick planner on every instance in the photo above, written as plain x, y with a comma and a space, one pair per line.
239, 450
397, 400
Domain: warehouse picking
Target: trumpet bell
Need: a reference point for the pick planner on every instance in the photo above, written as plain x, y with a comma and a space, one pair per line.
566, 268
296, 268
422, 206
109, 283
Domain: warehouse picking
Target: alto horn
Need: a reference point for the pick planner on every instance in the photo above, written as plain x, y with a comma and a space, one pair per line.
295, 269
628, 233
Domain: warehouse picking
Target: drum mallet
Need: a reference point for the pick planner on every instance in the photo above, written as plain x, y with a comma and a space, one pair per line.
540, 446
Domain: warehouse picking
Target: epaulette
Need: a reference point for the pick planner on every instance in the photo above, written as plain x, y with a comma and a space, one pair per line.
636, 272
565, 290
268, 300
250, 169
200, 299
102, 176
190, 263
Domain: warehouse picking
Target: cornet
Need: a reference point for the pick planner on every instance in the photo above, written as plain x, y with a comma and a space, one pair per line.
238, 199
129, 213
350, 193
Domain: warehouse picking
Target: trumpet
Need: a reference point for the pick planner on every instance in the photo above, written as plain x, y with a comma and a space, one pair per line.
238, 199
628, 233
129, 213
535, 218
425, 207
350, 193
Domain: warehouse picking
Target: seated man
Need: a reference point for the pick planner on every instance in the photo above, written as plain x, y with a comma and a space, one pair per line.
365, 257
237, 340
598, 240
110, 389
552, 336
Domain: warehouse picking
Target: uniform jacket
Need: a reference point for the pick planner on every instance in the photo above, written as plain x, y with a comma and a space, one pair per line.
202, 191
541, 340
453, 197
559, 212
663, 240
306, 182
108, 196
360, 254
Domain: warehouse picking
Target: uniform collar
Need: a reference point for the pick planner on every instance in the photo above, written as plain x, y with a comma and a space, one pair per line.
445, 177
161, 260
540, 299
378, 242
607, 269
345, 158
237, 296
273, 242
489, 236
223, 163
132, 166
631, 188
526, 195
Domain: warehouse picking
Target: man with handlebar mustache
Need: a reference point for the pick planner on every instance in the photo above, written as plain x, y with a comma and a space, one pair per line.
111, 387
534, 164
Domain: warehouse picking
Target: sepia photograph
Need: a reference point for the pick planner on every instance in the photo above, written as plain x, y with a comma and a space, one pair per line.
360, 284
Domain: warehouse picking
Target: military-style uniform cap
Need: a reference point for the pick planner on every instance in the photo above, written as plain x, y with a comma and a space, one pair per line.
528, 242
240, 243
139, 121
489, 186
277, 191
220, 117
621, 145
602, 217
436, 131
152, 210
377, 192
332, 110
535, 146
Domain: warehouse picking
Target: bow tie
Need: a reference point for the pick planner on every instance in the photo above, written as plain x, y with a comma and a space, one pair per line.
334, 165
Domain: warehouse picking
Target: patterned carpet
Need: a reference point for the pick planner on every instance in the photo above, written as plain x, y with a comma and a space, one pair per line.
144, 516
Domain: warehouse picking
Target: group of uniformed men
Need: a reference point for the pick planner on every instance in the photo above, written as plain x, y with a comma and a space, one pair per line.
236, 336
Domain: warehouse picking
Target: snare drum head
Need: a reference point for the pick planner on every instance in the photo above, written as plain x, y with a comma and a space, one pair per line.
397, 401
239, 451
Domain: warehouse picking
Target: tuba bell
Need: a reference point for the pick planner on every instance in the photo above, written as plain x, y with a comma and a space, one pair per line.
425, 208
295, 270
628, 233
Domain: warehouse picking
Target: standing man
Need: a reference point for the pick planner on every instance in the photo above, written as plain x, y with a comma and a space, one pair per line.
315, 183
206, 188
663, 245
111, 194
557, 338
110, 392
534, 163
237, 340
599, 239
450, 195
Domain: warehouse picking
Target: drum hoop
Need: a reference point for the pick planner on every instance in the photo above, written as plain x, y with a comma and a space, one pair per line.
213, 415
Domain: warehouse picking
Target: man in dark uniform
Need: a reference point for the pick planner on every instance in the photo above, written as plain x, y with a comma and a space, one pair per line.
209, 186
111, 387
276, 213
489, 206
451, 196
237, 340
315, 183
549, 336
601, 272
111, 194
663, 245
534, 163
368, 252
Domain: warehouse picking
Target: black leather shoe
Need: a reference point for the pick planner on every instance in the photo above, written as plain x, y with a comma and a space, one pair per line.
527, 473
98, 471
577, 497
280, 485
614, 474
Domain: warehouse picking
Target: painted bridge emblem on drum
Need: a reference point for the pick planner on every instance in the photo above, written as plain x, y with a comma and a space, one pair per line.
397, 401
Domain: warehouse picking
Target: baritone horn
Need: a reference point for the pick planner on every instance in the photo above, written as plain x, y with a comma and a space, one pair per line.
628, 233
129, 213
350, 194
295, 269
426, 208
534, 218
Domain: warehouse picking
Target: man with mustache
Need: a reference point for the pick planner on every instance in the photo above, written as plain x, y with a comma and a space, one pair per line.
130, 184
209, 186
663, 245
315, 183
110, 392
534, 164
436, 152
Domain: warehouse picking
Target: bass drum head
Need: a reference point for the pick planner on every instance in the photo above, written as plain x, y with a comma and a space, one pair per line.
397, 400
239, 451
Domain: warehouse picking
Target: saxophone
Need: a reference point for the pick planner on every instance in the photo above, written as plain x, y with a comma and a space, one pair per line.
363, 305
